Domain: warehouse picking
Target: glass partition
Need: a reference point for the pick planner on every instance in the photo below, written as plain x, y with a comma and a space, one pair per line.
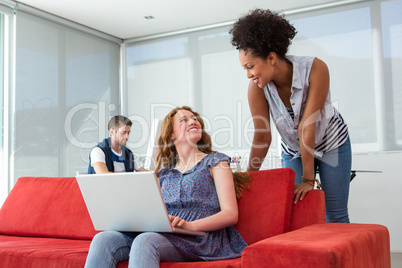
359, 42
67, 88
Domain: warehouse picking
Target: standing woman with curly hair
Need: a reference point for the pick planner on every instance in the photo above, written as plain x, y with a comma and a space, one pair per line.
294, 92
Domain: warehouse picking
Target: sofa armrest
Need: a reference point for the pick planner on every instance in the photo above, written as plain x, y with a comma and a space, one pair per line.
308, 211
326, 245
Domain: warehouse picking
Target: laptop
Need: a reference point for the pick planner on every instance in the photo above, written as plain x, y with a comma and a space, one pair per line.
127, 202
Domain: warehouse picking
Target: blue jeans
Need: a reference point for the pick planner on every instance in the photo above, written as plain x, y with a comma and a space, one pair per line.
148, 250
334, 168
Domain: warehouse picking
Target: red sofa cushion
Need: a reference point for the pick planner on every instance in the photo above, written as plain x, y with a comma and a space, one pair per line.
325, 245
36, 252
265, 210
46, 207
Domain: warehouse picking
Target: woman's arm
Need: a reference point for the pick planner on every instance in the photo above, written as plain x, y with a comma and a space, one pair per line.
262, 131
225, 190
318, 92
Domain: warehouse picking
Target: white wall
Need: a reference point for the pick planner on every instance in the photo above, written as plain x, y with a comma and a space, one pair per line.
376, 197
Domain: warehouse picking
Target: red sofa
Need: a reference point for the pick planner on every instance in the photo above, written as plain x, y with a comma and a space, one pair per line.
44, 223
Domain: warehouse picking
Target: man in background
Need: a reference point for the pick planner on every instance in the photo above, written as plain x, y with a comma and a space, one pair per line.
112, 155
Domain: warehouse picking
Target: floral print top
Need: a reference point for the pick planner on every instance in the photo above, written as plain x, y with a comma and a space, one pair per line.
191, 196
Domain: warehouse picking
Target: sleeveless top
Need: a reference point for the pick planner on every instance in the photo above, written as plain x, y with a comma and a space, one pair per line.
331, 130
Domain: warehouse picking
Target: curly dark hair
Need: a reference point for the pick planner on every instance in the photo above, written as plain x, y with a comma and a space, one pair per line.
261, 32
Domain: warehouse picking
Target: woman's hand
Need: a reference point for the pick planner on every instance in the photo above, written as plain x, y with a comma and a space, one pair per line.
178, 222
301, 190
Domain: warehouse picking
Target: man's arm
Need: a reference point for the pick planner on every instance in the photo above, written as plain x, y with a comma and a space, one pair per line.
98, 161
100, 167
142, 169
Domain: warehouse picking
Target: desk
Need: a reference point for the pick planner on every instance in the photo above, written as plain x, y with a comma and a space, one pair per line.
353, 172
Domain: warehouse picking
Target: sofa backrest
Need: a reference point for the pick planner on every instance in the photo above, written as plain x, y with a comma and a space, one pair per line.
265, 210
46, 207
54, 207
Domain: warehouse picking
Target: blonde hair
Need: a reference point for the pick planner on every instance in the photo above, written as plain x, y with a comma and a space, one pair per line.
167, 154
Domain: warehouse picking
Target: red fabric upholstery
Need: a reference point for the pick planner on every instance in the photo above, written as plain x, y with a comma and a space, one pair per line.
269, 198
39, 252
309, 212
326, 245
46, 207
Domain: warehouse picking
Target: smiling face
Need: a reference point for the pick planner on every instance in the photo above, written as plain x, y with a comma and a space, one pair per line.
186, 128
260, 71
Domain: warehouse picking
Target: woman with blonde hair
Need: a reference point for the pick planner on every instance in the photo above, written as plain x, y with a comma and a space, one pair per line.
198, 189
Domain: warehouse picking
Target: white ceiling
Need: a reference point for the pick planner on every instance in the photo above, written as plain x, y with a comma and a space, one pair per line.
125, 18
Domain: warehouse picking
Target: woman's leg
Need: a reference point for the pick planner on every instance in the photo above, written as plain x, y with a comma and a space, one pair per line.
295, 164
149, 249
335, 168
107, 250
